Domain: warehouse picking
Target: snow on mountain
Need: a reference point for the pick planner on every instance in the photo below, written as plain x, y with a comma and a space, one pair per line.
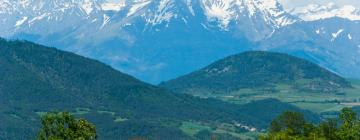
21, 21
335, 35
262, 17
315, 12
332, 43
137, 5
134, 35
227, 10
108, 6
220, 10
157, 40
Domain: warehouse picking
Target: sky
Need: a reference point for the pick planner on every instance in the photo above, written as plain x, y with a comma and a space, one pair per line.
295, 3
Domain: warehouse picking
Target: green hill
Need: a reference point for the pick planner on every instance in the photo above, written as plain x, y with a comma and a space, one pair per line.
36, 79
261, 72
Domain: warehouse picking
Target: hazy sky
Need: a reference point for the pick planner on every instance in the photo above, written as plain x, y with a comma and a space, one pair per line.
295, 3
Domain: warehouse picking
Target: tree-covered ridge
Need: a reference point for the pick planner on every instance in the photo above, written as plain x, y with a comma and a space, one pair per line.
261, 71
37, 79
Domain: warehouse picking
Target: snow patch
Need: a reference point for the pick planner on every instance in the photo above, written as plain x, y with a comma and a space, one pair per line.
163, 12
38, 18
219, 10
113, 6
335, 35
87, 6
139, 4
106, 20
21, 21
189, 4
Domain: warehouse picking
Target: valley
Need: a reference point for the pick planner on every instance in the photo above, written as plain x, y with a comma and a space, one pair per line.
179, 69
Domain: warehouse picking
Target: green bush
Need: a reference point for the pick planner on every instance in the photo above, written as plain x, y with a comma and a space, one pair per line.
63, 126
292, 126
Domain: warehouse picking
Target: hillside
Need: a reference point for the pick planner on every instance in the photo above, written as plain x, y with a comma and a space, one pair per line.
261, 72
36, 79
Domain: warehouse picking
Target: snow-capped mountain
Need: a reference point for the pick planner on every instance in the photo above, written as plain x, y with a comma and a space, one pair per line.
316, 12
135, 35
45, 17
262, 17
156, 40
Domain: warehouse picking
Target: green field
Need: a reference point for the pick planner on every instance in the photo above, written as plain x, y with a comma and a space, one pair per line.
194, 129
316, 102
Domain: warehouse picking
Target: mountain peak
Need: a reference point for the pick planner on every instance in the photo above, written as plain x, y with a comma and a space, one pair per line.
236, 10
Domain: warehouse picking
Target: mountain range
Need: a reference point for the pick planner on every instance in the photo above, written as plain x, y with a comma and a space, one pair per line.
157, 40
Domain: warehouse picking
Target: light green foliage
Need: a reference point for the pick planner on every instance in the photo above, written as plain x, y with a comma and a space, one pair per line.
63, 126
292, 126
289, 121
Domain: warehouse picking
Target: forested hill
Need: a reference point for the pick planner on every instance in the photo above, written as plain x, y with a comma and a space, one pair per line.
260, 71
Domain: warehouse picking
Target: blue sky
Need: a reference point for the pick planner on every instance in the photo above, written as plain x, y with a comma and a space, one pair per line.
295, 3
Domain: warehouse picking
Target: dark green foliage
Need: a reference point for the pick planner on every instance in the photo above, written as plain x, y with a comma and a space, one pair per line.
268, 109
63, 126
292, 126
207, 135
294, 122
261, 71
328, 129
